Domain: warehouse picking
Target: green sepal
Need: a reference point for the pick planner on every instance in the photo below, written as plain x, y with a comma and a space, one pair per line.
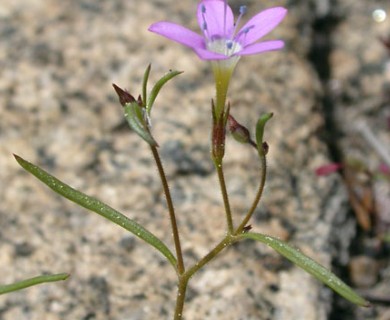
32, 282
310, 266
156, 89
145, 83
135, 116
260, 131
98, 207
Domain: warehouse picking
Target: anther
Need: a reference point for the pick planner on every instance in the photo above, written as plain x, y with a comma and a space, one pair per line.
204, 25
244, 32
242, 10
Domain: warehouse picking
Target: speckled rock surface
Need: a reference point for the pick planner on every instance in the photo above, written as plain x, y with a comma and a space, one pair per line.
58, 110
358, 88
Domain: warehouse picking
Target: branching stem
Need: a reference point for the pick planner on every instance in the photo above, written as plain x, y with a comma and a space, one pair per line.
186, 276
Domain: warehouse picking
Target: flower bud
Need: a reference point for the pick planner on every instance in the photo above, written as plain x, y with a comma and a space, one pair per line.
124, 96
238, 131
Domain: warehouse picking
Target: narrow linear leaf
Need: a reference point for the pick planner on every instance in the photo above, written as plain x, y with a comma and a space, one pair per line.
134, 116
260, 131
97, 206
156, 89
32, 282
310, 266
145, 83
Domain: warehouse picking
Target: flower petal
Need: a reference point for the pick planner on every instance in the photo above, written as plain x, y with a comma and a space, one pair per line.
205, 54
261, 47
212, 14
178, 33
260, 25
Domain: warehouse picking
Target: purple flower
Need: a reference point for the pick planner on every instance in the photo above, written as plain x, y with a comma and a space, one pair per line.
221, 40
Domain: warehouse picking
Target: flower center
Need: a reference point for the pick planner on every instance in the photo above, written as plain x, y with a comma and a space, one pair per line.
223, 46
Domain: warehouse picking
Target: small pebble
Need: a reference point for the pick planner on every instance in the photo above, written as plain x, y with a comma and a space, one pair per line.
364, 271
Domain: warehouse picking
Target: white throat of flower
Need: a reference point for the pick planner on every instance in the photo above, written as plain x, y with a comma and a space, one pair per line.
224, 43
226, 47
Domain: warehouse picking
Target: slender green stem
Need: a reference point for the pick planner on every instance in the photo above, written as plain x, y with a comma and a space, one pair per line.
226, 242
186, 276
225, 197
263, 173
32, 282
181, 295
171, 209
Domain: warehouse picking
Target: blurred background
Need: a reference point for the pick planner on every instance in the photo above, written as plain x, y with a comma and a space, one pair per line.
328, 189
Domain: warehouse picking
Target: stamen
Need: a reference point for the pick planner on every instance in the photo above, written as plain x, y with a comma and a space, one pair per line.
248, 28
243, 32
224, 18
242, 12
204, 25
230, 46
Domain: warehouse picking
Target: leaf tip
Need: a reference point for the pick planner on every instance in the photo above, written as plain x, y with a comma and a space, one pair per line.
19, 159
66, 276
366, 304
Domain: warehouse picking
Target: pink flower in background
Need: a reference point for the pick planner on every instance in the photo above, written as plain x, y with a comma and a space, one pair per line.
328, 169
384, 169
220, 39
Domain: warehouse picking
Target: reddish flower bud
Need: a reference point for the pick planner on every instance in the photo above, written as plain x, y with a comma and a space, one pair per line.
124, 96
238, 131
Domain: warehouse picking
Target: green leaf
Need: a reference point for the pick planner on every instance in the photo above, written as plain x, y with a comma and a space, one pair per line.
97, 206
260, 131
310, 266
32, 282
134, 115
156, 89
145, 83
